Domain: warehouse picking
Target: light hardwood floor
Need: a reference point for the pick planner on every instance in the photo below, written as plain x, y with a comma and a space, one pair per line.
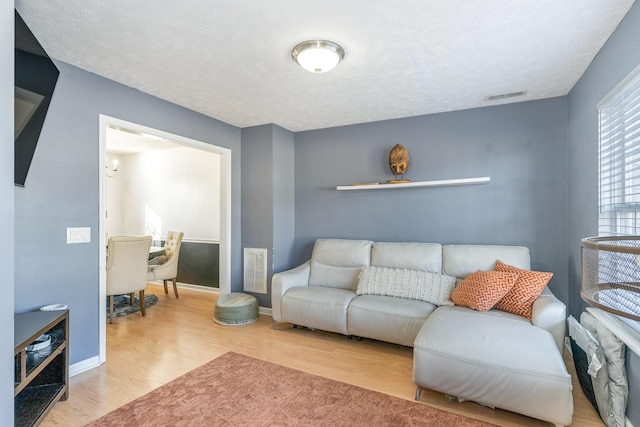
179, 335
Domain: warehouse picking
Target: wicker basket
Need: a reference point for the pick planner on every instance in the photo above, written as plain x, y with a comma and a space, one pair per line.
611, 274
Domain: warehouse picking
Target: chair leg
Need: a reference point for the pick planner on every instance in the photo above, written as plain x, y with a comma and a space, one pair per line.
143, 310
110, 308
175, 287
132, 298
166, 290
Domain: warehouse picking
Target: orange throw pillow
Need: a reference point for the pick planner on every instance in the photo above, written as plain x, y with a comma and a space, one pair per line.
483, 289
530, 284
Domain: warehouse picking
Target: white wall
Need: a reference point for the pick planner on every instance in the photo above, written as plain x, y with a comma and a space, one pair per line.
113, 196
157, 191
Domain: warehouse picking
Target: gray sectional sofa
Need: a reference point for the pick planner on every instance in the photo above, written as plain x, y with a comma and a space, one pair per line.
398, 292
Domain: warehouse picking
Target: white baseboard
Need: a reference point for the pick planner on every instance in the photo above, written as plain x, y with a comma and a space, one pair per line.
84, 365
207, 289
265, 310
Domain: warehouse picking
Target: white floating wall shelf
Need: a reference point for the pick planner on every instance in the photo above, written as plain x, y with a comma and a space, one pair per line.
438, 183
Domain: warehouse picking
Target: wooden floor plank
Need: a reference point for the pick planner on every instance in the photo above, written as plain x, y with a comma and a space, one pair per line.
178, 335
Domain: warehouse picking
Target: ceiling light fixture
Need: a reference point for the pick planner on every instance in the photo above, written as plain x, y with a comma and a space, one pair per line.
318, 56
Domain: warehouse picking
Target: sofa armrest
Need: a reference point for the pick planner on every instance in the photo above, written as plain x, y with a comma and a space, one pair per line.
285, 280
550, 314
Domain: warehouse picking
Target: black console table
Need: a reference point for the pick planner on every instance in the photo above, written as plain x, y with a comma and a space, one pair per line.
41, 376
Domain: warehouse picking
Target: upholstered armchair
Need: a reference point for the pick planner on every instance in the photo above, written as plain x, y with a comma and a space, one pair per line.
165, 267
127, 268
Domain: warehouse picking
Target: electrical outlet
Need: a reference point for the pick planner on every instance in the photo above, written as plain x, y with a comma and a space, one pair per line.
78, 235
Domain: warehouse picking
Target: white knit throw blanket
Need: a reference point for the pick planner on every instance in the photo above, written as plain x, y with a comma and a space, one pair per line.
404, 283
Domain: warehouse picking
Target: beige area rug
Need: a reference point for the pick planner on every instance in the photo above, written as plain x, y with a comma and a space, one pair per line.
237, 390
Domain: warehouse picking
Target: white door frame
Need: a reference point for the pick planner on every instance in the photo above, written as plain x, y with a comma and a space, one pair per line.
225, 211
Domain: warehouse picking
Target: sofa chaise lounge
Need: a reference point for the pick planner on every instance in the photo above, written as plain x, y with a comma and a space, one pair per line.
400, 293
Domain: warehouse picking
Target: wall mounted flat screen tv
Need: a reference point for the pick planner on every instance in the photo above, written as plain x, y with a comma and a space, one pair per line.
35, 80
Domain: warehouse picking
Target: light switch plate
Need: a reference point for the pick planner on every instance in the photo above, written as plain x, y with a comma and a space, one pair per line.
78, 235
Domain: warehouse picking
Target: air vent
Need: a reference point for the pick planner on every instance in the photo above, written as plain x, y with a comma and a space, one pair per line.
505, 96
255, 270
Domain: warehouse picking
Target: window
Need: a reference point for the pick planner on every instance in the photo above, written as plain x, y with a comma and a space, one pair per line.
619, 178
619, 171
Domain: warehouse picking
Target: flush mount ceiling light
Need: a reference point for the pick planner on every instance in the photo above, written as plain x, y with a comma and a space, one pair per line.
318, 56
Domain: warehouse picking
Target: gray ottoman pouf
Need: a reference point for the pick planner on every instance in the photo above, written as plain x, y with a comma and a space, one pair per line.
235, 309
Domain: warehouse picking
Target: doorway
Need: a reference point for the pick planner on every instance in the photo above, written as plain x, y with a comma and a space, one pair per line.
107, 123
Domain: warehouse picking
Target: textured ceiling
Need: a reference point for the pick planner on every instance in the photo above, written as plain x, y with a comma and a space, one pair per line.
231, 59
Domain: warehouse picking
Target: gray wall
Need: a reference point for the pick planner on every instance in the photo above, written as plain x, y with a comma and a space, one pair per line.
6, 212
522, 147
268, 197
62, 191
619, 56
257, 196
283, 176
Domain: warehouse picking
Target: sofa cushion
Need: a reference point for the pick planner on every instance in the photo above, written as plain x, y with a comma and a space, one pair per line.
530, 284
336, 263
459, 353
404, 283
590, 365
395, 320
317, 307
415, 256
483, 289
462, 260
616, 391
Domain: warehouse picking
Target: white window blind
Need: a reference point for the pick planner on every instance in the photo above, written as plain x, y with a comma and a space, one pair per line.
619, 177
619, 170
